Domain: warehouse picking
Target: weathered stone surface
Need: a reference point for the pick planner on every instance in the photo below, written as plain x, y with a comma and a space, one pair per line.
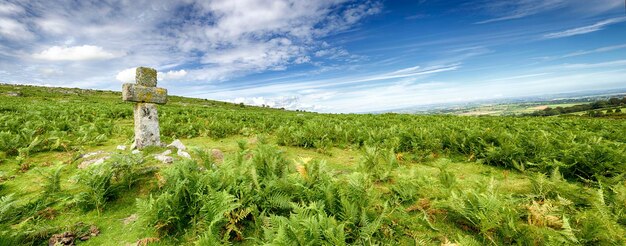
165, 159
93, 158
90, 154
66, 238
14, 94
183, 154
167, 152
145, 93
177, 144
70, 237
93, 162
146, 76
146, 125
137, 93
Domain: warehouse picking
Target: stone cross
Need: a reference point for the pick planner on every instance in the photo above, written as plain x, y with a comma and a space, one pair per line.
146, 95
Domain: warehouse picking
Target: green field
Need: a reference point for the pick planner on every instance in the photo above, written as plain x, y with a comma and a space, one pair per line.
623, 109
508, 109
294, 178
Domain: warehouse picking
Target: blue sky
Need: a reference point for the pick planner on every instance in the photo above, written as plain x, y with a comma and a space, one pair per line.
325, 55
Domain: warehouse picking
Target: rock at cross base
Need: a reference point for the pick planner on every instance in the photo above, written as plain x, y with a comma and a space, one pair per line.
93, 162
90, 154
163, 157
177, 144
183, 154
14, 94
93, 159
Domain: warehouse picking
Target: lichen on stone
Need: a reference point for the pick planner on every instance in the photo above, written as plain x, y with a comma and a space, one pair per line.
146, 76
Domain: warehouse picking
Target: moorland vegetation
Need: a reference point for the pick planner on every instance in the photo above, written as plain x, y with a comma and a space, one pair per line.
300, 178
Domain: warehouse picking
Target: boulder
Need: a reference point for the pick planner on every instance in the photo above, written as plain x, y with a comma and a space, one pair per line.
93, 162
183, 154
164, 158
14, 94
90, 154
167, 152
66, 238
177, 144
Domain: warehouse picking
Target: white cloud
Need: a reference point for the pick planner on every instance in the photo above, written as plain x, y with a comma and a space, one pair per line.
578, 66
172, 75
47, 71
10, 9
127, 75
584, 52
211, 40
585, 29
595, 7
598, 50
332, 95
510, 10
316, 86
255, 35
255, 56
74, 53
54, 25
286, 102
12, 29
415, 92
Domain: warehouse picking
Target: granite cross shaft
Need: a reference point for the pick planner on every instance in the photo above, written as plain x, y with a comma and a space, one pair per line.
146, 95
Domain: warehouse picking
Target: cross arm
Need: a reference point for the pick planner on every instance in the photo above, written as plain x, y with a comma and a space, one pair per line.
138, 93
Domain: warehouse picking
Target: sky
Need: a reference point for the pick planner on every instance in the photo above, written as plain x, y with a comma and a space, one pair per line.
334, 56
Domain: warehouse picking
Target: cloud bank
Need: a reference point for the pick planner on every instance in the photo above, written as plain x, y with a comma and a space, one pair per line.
203, 41
325, 55
74, 53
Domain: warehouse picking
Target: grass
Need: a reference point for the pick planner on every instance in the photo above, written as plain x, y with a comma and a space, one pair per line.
370, 182
510, 109
115, 232
110, 222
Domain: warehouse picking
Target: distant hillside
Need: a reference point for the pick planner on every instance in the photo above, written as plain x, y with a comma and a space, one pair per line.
517, 106
77, 93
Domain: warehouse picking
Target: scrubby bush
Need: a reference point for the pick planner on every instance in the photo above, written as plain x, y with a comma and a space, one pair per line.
99, 188
238, 198
104, 182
